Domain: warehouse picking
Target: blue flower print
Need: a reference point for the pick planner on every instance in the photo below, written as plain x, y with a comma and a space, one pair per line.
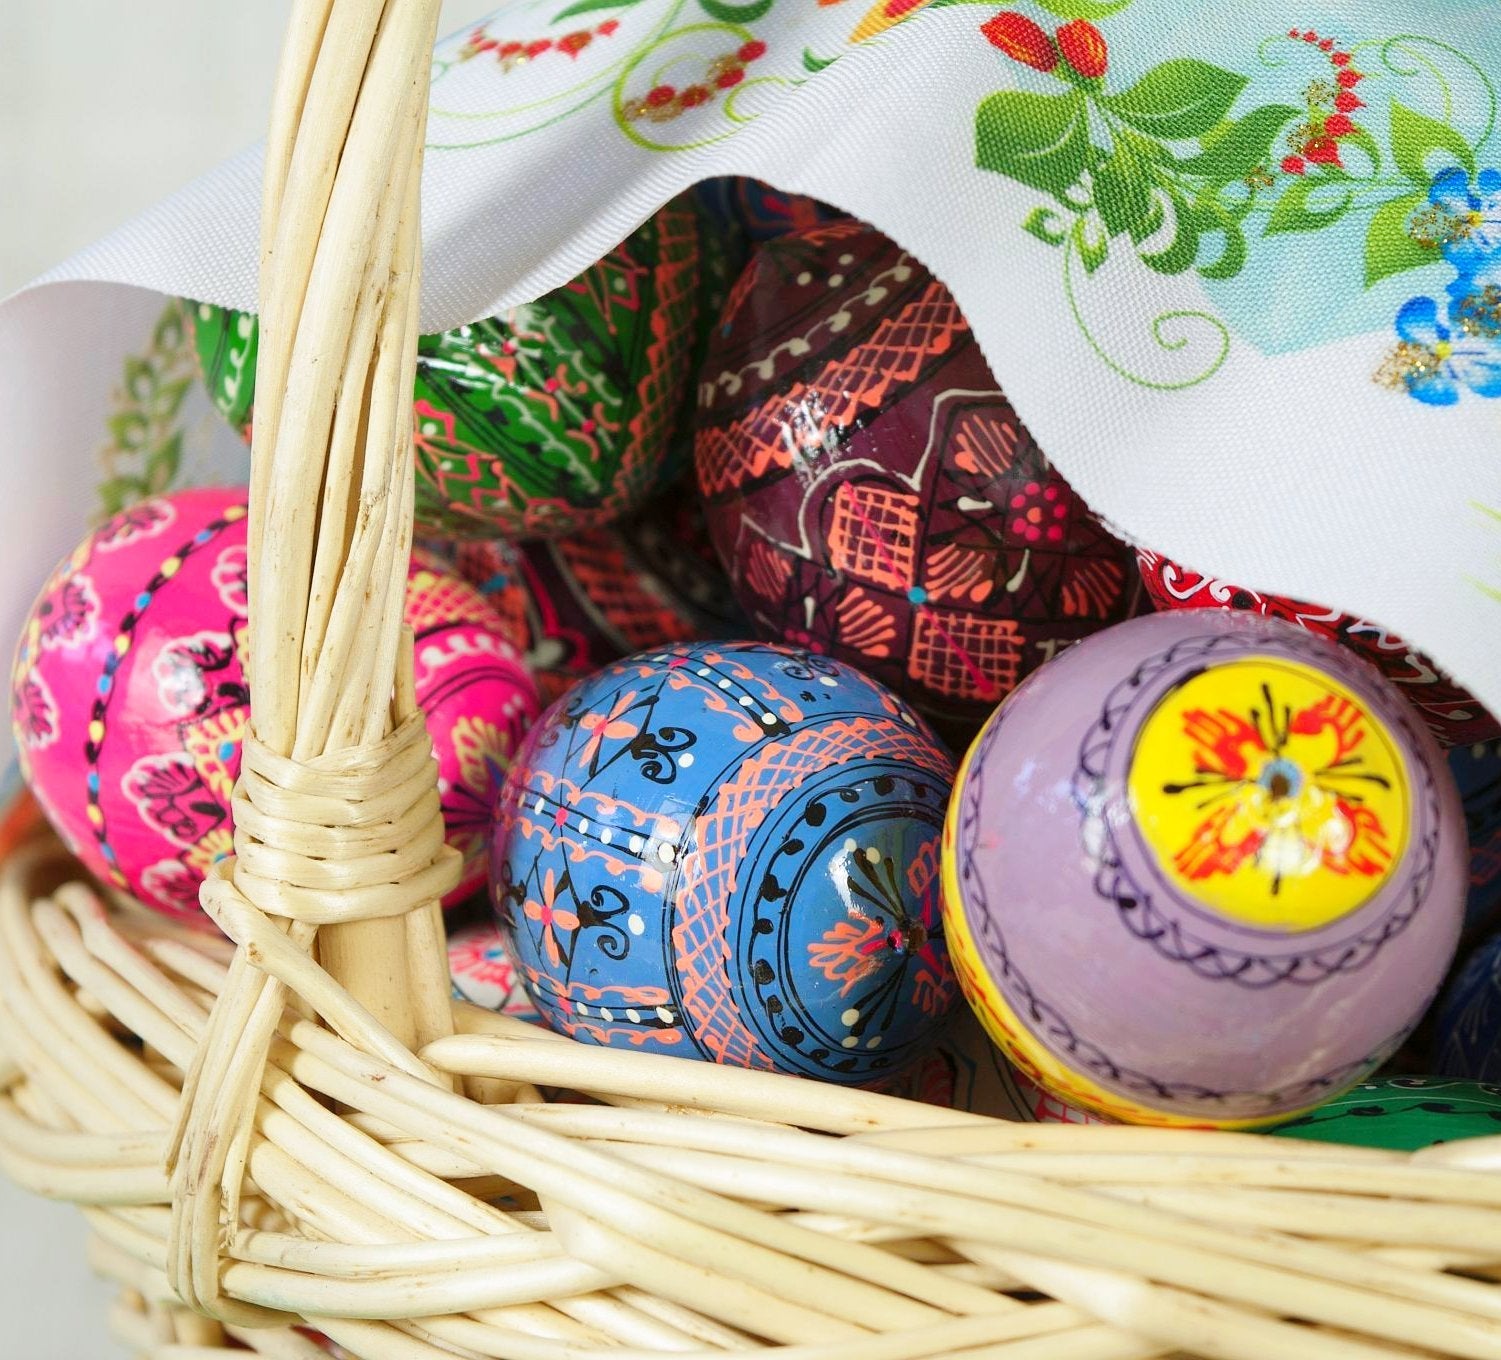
1438, 356
1468, 226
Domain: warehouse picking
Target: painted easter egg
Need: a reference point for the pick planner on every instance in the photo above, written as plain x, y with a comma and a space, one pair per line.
965, 1071
1403, 1114
754, 208
591, 598
482, 971
478, 697
129, 700
872, 492
552, 418
1203, 868
1453, 716
1467, 1021
1477, 771
730, 851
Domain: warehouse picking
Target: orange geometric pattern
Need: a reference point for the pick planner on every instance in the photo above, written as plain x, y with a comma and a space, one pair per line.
895, 355
873, 534
964, 654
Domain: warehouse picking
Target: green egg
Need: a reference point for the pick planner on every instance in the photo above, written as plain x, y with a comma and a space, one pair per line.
553, 418
1403, 1113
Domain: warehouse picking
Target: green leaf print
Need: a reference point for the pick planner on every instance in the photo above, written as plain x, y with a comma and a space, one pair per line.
1179, 99
1233, 150
1084, 9
589, 7
1093, 251
1041, 224
1123, 194
1415, 137
1389, 247
1178, 257
1296, 209
1040, 139
736, 14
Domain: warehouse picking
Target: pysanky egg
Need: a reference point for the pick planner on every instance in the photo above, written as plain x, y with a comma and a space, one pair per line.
552, 418
873, 494
730, 851
1203, 868
479, 699
965, 1071
1477, 771
1403, 1114
756, 209
1453, 715
129, 700
591, 598
1467, 1021
482, 972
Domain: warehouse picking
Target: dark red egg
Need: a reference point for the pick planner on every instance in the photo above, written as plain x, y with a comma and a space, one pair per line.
871, 490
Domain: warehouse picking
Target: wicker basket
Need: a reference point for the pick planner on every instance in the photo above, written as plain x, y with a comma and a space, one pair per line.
292, 1134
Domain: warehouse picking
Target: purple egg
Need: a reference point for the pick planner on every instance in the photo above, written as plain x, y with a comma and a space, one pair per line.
1203, 868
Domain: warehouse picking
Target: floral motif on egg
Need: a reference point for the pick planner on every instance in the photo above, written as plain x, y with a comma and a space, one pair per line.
730, 851
873, 493
130, 705
139, 785
1276, 839
1454, 716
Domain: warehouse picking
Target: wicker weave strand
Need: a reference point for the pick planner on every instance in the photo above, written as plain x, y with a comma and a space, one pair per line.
291, 1124
675, 1218
338, 838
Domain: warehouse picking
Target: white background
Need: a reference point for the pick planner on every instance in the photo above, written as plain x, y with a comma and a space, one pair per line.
186, 83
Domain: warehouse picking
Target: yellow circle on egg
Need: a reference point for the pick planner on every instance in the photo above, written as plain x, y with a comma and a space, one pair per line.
1270, 794
1013, 1034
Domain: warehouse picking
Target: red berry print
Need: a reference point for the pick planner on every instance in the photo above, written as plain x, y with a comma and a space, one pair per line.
1310, 37
1340, 58
1326, 45
1322, 151
1346, 102
608, 27
662, 94
752, 51
1338, 125
1349, 77
1022, 39
1293, 165
1083, 47
695, 95
726, 79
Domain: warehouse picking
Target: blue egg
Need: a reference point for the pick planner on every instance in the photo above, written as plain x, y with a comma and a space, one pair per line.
1467, 1033
730, 851
1477, 771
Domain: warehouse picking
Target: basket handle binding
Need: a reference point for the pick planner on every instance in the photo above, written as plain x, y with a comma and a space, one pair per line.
339, 851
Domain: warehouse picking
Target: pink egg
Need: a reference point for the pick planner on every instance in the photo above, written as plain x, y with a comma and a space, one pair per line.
129, 700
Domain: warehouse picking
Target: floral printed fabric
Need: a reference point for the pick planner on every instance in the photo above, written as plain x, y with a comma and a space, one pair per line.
1238, 267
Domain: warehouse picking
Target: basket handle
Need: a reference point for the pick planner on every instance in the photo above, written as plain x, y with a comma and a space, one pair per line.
339, 853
